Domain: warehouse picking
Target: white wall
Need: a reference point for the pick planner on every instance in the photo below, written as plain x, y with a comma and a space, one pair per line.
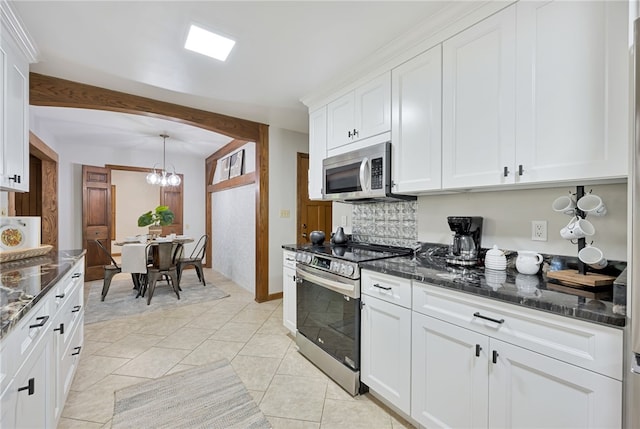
233, 219
71, 159
134, 196
508, 215
283, 148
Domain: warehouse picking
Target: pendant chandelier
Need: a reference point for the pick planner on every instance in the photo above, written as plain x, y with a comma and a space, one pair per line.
161, 178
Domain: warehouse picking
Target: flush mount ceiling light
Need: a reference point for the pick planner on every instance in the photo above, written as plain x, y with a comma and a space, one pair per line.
207, 43
160, 178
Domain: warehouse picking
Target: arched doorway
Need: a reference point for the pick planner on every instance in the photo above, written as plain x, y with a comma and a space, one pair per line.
51, 91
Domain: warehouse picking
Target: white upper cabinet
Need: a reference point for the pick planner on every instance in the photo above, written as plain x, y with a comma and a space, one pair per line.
362, 113
15, 118
537, 93
317, 150
572, 90
16, 52
416, 100
478, 105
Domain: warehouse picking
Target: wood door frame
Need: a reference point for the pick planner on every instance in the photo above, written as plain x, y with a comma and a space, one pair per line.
49, 169
55, 92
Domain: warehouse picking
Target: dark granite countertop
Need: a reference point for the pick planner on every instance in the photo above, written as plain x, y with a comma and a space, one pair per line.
26, 281
508, 286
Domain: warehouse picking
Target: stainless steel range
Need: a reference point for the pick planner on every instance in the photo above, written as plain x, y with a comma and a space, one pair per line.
328, 306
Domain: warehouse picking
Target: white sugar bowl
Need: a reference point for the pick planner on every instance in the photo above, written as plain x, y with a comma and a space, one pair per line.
495, 259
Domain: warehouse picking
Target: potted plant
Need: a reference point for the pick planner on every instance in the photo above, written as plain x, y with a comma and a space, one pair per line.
156, 219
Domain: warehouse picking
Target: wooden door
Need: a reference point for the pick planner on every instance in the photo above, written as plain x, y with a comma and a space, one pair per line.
173, 196
312, 215
96, 218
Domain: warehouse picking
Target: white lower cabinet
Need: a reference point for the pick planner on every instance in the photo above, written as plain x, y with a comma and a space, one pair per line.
527, 389
44, 347
289, 290
385, 364
449, 375
464, 376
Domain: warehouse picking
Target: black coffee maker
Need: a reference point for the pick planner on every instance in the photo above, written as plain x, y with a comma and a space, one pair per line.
465, 241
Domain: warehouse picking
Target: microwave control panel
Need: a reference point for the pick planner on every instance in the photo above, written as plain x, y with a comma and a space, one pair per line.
377, 173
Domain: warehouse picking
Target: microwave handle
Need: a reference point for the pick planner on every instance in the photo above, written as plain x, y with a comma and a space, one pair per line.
365, 175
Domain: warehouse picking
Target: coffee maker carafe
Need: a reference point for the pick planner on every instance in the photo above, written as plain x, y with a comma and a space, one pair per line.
465, 241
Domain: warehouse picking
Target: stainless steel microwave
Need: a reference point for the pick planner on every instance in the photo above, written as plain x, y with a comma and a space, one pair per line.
360, 176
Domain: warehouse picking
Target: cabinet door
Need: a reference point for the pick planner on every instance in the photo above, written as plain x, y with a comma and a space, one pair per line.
16, 114
478, 102
373, 107
289, 299
3, 67
317, 151
530, 390
572, 90
416, 132
31, 410
449, 375
340, 121
385, 363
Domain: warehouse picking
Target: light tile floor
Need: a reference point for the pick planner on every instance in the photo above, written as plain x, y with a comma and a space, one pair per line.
290, 391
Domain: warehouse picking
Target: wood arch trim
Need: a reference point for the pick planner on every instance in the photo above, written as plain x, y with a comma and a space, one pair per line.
55, 92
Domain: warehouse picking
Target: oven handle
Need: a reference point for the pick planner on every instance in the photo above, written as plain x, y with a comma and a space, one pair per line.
336, 286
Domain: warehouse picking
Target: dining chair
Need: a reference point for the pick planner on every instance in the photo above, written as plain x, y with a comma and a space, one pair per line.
163, 267
195, 259
109, 270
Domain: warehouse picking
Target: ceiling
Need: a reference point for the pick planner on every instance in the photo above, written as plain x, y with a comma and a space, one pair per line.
284, 51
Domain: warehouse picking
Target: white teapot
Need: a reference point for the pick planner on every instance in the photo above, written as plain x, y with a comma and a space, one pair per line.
528, 262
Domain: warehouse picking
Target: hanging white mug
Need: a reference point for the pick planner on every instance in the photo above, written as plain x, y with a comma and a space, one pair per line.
592, 204
565, 205
577, 228
593, 257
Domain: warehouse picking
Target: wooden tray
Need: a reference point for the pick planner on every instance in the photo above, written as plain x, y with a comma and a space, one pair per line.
14, 255
592, 294
575, 278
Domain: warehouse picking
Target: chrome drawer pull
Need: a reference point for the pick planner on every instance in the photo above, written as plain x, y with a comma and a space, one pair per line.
42, 319
477, 314
382, 287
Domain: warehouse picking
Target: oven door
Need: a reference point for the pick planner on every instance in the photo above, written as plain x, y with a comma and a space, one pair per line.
328, 313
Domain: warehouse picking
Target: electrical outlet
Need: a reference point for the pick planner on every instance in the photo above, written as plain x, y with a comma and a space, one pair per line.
539, 230
285, 213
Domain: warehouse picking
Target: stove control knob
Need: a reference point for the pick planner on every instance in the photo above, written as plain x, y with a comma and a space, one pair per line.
334, 266
307, 258
343, 269
349, 270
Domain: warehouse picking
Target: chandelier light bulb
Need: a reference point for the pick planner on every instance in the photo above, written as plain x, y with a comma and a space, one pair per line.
162, 178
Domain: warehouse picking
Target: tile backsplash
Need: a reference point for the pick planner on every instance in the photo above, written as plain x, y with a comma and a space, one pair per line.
390, 223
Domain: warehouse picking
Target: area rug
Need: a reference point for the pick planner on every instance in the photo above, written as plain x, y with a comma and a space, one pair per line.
121, 300
210, 396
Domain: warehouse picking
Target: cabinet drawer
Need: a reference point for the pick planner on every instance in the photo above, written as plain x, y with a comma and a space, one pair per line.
68, 317
388, 288
69, 361
32, 328
289, 259
588, 345
63, 290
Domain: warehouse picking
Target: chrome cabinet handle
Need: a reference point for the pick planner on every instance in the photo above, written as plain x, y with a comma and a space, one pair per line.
477, 314
61, 329
382, 287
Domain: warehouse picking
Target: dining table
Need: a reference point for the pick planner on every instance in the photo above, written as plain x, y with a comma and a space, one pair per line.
137, 255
